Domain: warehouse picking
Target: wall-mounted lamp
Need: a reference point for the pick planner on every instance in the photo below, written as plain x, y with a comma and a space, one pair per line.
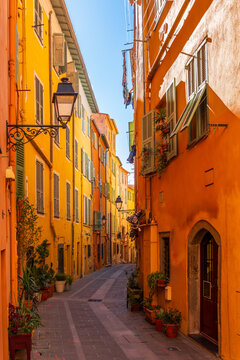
10, 176
119, 203
63, 101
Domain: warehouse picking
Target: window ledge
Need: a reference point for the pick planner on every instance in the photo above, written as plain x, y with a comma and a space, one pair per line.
198, 140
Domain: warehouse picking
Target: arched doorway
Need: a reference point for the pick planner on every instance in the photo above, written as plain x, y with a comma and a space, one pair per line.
204, 251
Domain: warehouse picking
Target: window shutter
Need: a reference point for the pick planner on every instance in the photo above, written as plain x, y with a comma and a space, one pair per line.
76, 154
20, 172
148, 142
92, 175
171, 114
86, 165
89, 211
98, 221
58, 50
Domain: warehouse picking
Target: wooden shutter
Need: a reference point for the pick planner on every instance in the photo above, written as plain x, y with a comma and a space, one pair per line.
86, 165
148, 143
56, 195
58, 50
98, 220
202, 65
20, 172
89, 211
68, 200
76, 154
41, 102
76, 88
171, 119
83, 119
91, 173
37, 97
76, 205
39, 186
67, 142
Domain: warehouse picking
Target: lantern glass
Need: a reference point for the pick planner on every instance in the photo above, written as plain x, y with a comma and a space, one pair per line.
118, 202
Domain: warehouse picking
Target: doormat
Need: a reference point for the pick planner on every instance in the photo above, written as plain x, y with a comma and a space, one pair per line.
204, 342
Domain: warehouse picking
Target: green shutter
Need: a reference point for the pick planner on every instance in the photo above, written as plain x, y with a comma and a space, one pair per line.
98, 215
20, 172
131, 134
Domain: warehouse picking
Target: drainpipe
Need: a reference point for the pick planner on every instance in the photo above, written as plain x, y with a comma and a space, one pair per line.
12, 158
99, 170
106, 257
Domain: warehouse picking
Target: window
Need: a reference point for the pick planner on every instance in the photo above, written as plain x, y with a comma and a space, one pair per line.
89, 250
76, 153
68, 200
148, 133
38, 19
38, 101
95, 140
76, 206
67, 142
39, 187
159, 5
89, 211
57, 137
83, 119
195, 114
165, 254
56, 196
85, 214
97, 220
171, 119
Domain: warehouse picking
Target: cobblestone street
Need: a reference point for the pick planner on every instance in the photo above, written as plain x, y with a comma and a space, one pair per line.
91, 321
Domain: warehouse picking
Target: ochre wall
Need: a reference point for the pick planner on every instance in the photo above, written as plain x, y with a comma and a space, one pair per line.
186, 197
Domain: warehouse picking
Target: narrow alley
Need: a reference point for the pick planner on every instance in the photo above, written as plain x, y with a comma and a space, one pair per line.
91, 321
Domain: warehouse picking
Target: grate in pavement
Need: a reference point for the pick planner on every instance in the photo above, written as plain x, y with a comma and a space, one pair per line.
173, 348
94, 300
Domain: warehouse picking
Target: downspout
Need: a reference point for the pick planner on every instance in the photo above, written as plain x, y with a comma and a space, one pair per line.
106, 257
12, 157
73, 175
51, 122
81, 197
99, 170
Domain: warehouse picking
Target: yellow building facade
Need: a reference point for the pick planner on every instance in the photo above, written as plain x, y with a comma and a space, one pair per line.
56, 174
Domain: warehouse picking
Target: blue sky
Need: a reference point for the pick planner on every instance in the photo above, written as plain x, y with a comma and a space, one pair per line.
100, 28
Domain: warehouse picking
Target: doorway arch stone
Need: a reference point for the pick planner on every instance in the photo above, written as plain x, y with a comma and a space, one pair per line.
195, 238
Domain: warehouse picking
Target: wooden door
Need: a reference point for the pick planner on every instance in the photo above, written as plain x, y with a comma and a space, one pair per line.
209, 289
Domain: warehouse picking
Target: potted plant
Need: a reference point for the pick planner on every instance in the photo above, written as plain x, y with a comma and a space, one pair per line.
156, 279
68, 284
27, 287
60, 282
159, 317
134, 292
171, 319
149, 310
22, 321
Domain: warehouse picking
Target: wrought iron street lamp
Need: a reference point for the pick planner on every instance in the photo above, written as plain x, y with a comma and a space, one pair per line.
119, 203
63, 100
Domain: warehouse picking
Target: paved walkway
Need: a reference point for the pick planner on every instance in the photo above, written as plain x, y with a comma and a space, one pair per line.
91, 322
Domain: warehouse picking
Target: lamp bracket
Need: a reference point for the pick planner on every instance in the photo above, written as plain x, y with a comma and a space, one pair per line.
127, 211
18, 135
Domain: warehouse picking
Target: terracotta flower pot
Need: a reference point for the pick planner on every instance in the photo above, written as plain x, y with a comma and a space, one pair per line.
60, 286
45, 294
159, 325
135, 307
161, 283
150, 316
171, 330
20, 342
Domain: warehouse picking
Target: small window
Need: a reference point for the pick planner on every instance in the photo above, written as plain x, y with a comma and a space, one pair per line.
39, 187
38, 19
56, 208
68, 200
165, 254
89, 250
95, 140
67, 142
38, 101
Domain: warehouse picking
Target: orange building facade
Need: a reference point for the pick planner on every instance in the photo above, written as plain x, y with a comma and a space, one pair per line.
8, 101
186, 170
